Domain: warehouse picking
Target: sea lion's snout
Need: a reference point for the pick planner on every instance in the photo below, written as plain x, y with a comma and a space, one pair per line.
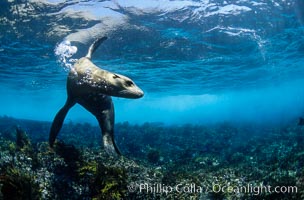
133, 92
138, 93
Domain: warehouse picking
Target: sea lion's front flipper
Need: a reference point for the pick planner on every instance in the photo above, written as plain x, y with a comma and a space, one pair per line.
106, 123
58, 121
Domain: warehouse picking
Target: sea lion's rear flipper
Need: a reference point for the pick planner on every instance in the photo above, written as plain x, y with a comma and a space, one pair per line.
110, 145
94, 46
106, 123
58, 121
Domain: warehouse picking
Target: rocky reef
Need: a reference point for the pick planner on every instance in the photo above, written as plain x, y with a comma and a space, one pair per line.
160, 162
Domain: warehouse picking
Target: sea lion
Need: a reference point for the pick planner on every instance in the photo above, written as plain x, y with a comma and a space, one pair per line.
92, 88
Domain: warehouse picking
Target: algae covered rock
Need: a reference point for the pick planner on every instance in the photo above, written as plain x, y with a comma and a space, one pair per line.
182, 162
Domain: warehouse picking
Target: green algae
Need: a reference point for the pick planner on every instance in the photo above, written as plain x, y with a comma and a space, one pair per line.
188, 155
18, 184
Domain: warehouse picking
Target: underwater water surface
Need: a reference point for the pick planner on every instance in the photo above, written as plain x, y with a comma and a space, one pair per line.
197, 61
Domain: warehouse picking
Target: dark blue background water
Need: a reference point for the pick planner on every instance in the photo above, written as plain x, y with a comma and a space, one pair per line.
197, 61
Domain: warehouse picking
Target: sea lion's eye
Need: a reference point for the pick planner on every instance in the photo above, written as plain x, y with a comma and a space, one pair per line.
129, 83
116, 76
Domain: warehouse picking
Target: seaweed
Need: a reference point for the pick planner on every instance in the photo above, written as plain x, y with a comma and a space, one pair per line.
72, 159
109, 183
157, 154
18, 185
153, 156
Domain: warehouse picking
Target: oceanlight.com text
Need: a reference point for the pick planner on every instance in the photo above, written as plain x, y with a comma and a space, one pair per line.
193, 188
253, 189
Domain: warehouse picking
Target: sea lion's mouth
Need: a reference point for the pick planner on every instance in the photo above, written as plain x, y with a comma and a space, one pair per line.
132, 94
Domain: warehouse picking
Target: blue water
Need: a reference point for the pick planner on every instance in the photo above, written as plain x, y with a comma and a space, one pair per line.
203, 61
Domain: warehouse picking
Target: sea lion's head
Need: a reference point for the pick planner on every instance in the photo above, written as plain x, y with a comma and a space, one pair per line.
122, 86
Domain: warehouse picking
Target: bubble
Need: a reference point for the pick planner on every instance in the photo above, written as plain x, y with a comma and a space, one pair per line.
64, 51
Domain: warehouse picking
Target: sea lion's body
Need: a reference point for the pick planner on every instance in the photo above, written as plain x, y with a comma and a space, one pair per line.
92, 88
